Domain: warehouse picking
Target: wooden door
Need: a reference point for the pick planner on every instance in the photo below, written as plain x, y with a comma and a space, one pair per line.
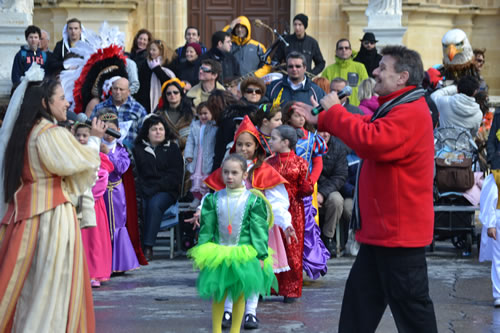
213, 15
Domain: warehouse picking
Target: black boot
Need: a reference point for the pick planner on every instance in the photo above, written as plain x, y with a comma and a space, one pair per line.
330, 245
227, 319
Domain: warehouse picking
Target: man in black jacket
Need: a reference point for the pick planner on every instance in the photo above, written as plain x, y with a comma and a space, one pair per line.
330, 182
220, 51
302, 43
368, 54
192, 35
73, 31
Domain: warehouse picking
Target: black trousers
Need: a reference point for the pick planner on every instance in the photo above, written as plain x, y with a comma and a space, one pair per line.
394, 276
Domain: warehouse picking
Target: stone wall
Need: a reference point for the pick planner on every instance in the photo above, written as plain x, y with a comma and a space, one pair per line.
427, 21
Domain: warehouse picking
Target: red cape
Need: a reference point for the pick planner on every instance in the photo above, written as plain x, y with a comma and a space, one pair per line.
132, 216
263, 178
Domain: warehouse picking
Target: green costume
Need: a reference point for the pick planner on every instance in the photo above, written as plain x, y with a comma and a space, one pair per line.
352, 71
232, 243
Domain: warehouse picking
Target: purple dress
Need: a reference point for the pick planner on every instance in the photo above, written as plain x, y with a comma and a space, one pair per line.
315, 258
124, 258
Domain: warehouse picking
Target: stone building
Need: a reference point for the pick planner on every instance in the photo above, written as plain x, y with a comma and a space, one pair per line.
426, 22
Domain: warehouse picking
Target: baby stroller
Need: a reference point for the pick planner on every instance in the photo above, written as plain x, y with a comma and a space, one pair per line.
456, 159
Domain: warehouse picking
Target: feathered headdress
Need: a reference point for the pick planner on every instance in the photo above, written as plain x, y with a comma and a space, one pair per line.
100, 57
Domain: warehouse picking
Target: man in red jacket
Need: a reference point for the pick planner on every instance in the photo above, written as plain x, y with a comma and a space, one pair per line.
393, 200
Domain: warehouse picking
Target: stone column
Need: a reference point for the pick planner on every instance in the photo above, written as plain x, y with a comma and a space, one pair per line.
15, 16
384, 20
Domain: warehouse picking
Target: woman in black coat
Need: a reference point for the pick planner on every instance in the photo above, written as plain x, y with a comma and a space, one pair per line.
141, 40
160, 167
186, 69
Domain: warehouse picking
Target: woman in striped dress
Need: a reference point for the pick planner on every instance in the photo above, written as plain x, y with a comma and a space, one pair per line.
44, 281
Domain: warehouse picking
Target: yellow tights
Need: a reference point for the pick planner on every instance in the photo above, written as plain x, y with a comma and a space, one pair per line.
218, 312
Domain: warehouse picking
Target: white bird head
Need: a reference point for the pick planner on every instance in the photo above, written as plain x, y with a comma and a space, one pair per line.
456, 48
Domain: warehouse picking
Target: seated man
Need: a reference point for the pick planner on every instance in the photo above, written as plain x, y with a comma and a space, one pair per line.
44, 41
247, 51
330, 182
29, 54
337, 85
192, 35
296, 85
208, 74
457, 106
130, 112
221, 52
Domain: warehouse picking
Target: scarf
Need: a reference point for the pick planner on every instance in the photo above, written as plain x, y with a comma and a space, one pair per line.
155, 87
407, 97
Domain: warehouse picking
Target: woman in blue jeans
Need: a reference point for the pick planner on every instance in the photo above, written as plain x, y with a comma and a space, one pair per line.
160, 167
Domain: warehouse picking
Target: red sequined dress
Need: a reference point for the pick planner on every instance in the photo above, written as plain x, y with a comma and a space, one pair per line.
294, 169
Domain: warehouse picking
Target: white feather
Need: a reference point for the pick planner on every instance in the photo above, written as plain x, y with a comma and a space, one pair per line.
85, 49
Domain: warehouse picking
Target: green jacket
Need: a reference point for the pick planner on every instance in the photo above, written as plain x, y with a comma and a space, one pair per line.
352, 71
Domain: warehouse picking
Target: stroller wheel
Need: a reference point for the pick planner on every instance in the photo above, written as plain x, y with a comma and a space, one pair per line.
459, 241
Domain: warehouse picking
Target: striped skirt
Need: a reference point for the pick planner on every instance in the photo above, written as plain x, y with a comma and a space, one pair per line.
44, 281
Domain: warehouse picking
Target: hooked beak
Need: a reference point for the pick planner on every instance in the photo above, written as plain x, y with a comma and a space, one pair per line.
451, 51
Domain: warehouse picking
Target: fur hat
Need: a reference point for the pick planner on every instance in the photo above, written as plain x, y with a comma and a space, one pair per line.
302, 18
255, 81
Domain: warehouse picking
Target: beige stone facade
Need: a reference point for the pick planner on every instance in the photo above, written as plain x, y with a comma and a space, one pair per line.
427, 21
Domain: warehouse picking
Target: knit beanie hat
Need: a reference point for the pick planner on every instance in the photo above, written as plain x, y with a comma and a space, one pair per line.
196, 47
302, 18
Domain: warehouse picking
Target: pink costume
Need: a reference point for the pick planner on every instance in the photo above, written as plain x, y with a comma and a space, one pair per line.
96, 241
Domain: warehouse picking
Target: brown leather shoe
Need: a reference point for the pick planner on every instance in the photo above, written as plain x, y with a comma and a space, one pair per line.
148, 253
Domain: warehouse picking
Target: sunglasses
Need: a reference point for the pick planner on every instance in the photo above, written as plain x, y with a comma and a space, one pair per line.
480, 61
173, 92
206, 69
253, 91
294, 66
340, 48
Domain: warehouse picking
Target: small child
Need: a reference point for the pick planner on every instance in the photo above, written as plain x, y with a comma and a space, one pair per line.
263, 177
199, 151
294, 170
124, 256
232, 250
96, 242
311, 148
266, 118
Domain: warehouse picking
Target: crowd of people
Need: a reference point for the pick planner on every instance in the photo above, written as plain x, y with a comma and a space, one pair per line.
270, 185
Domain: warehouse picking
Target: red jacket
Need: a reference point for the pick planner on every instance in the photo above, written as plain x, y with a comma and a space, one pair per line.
395, 185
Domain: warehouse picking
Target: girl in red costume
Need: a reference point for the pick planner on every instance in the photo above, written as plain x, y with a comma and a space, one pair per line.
263, 177
311, 147
266, 118
294, 169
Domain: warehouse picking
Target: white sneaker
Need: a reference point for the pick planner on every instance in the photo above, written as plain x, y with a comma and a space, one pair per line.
496, 304
195, 203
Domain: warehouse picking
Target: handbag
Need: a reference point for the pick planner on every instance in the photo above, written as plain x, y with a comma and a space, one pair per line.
454, 175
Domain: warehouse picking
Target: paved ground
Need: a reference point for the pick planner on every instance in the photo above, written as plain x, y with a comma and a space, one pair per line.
162, 297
